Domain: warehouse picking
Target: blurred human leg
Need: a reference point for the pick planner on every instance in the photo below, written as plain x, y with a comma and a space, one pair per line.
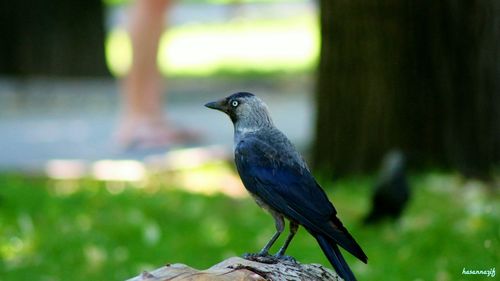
143, 122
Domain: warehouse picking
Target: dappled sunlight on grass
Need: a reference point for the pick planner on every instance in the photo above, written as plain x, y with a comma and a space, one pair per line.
266, 46
65, 169
118, 170
199, 170
16, 247
118, 50
94, 232
200, 49
91, 229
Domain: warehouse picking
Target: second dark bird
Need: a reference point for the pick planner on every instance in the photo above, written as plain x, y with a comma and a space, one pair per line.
392, 192
279, 180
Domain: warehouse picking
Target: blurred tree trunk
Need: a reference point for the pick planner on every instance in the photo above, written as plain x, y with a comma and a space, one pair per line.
423, 76
52, 37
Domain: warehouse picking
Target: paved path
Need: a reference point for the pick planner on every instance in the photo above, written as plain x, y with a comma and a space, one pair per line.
43, 120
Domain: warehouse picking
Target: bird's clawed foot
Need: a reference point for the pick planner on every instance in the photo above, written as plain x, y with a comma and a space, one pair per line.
285, 258
252, 256
265, 257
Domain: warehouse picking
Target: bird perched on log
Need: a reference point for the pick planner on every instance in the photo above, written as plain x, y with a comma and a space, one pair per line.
280, 182
392, 192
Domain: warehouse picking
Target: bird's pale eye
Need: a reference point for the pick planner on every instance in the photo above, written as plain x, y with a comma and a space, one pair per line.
234, 103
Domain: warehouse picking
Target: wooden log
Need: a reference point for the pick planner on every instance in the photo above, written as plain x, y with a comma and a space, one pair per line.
236, 268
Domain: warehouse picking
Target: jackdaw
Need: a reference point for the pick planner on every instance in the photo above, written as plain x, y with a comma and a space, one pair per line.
280, 182
392, 192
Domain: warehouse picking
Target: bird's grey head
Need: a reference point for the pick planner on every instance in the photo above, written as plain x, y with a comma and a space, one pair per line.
247, 111
393, 165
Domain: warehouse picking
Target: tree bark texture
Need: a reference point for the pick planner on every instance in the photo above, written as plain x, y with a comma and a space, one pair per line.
236, 268
421, 76
52, 38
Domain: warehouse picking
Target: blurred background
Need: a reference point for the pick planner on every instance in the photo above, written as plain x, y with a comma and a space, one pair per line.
110, 164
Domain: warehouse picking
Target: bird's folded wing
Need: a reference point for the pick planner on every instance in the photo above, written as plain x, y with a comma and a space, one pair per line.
289, 188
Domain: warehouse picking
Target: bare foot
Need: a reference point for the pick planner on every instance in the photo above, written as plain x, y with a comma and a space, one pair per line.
150, 133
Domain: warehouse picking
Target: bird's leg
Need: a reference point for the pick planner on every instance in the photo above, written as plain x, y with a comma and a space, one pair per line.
280, 226
293, 229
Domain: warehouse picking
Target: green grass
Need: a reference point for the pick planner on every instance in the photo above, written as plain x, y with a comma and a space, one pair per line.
86, 230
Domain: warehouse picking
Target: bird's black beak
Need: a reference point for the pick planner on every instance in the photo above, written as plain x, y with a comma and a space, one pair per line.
217, 105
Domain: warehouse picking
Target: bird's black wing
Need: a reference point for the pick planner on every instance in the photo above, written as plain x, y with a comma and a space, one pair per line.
273, 173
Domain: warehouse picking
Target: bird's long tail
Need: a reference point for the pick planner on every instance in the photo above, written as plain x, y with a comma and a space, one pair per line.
333, 254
